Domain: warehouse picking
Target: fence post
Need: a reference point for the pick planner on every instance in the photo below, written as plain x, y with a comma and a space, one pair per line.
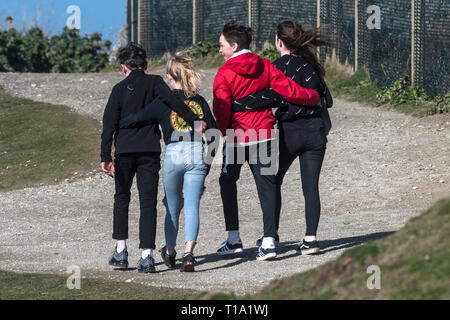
360, 35
356, 36
139, 22
324, 7
416, 43
197, 21
253, 20
318, 23
194, 21
132, 20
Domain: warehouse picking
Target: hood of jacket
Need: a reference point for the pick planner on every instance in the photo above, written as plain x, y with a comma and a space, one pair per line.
247, 65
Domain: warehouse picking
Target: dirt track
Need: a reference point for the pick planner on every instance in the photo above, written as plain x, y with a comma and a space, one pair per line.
381, 168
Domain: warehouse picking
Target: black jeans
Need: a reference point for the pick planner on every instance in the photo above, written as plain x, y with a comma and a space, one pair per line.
263, 168
308, 144
146, 167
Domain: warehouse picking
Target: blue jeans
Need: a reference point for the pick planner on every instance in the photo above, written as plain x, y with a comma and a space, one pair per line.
183, 165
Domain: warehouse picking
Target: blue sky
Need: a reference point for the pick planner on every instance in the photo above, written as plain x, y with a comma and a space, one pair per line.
104, 16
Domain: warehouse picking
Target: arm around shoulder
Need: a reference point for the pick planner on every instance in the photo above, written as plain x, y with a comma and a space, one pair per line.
291, 90
222, 103
163, 92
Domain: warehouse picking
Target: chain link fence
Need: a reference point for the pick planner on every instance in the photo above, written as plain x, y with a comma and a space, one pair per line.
391, 39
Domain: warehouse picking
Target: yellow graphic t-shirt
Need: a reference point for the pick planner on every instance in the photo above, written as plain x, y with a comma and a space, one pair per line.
178, 123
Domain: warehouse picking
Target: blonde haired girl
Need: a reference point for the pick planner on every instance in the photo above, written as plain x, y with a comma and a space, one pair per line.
184, 163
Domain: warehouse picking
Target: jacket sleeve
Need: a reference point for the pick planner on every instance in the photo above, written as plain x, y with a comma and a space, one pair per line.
209, 118
290, 90
222, 103
148, 114
111, 117
163, 92
211, 124
267, 98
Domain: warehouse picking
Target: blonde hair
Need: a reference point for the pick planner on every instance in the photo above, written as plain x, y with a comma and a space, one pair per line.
181, 68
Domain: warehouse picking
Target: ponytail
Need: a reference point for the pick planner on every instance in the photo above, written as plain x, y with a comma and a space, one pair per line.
181, 68
302, 42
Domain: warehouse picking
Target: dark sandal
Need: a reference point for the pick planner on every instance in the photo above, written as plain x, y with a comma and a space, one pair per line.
187, 263
169, 259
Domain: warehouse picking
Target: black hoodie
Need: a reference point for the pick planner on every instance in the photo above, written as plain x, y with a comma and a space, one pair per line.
127, 97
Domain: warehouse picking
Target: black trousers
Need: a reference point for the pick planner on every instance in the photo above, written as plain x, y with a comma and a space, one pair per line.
146, 168
263, 167
307, 144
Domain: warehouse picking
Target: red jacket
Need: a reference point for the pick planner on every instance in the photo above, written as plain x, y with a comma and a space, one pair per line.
244, 75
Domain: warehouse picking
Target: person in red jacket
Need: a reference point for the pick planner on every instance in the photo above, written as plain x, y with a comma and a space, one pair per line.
250, 136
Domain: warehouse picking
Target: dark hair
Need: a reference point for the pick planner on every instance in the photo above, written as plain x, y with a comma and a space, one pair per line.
133, 56
235, 33
302, 42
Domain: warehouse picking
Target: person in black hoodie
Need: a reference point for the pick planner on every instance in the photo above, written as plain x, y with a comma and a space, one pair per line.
184, 159
137, 152
303, 130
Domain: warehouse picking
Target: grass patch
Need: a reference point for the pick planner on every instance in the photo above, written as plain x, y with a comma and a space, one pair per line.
41, 143
401, 97
413, 262
115, 67
16, 286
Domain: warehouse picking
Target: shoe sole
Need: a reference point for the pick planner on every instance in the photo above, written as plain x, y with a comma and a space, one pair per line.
230, 252
147, 271
188, 268
119, 265
269, 256
259, 243
170, 266
310, 251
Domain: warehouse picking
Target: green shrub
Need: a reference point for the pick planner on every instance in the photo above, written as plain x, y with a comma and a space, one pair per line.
12, 55
32, 51
400, 96
72, 53
270, 53
442, 104
203, 49
401, 92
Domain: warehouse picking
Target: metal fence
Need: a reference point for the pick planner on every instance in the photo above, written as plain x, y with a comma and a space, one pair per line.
389, 38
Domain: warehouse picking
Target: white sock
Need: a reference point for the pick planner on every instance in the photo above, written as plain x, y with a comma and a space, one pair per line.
146, 253
121, 244
234, 237
268, 243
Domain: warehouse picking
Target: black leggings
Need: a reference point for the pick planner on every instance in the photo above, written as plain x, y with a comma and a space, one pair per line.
311, 151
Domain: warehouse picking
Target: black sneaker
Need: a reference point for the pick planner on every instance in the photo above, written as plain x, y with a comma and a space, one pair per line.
260, 240
119, 259
228, 248
146, 265
187, 263
169, 259
309, 247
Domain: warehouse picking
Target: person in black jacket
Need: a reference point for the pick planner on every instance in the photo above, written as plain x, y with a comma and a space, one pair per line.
302, 130
137, 151
184, 159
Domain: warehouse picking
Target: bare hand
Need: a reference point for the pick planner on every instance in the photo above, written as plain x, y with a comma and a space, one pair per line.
108, 168
200, 126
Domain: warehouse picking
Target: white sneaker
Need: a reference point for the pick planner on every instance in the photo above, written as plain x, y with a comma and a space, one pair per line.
266, 254
228, 248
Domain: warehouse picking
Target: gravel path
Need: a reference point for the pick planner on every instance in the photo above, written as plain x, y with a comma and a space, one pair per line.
381, 168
